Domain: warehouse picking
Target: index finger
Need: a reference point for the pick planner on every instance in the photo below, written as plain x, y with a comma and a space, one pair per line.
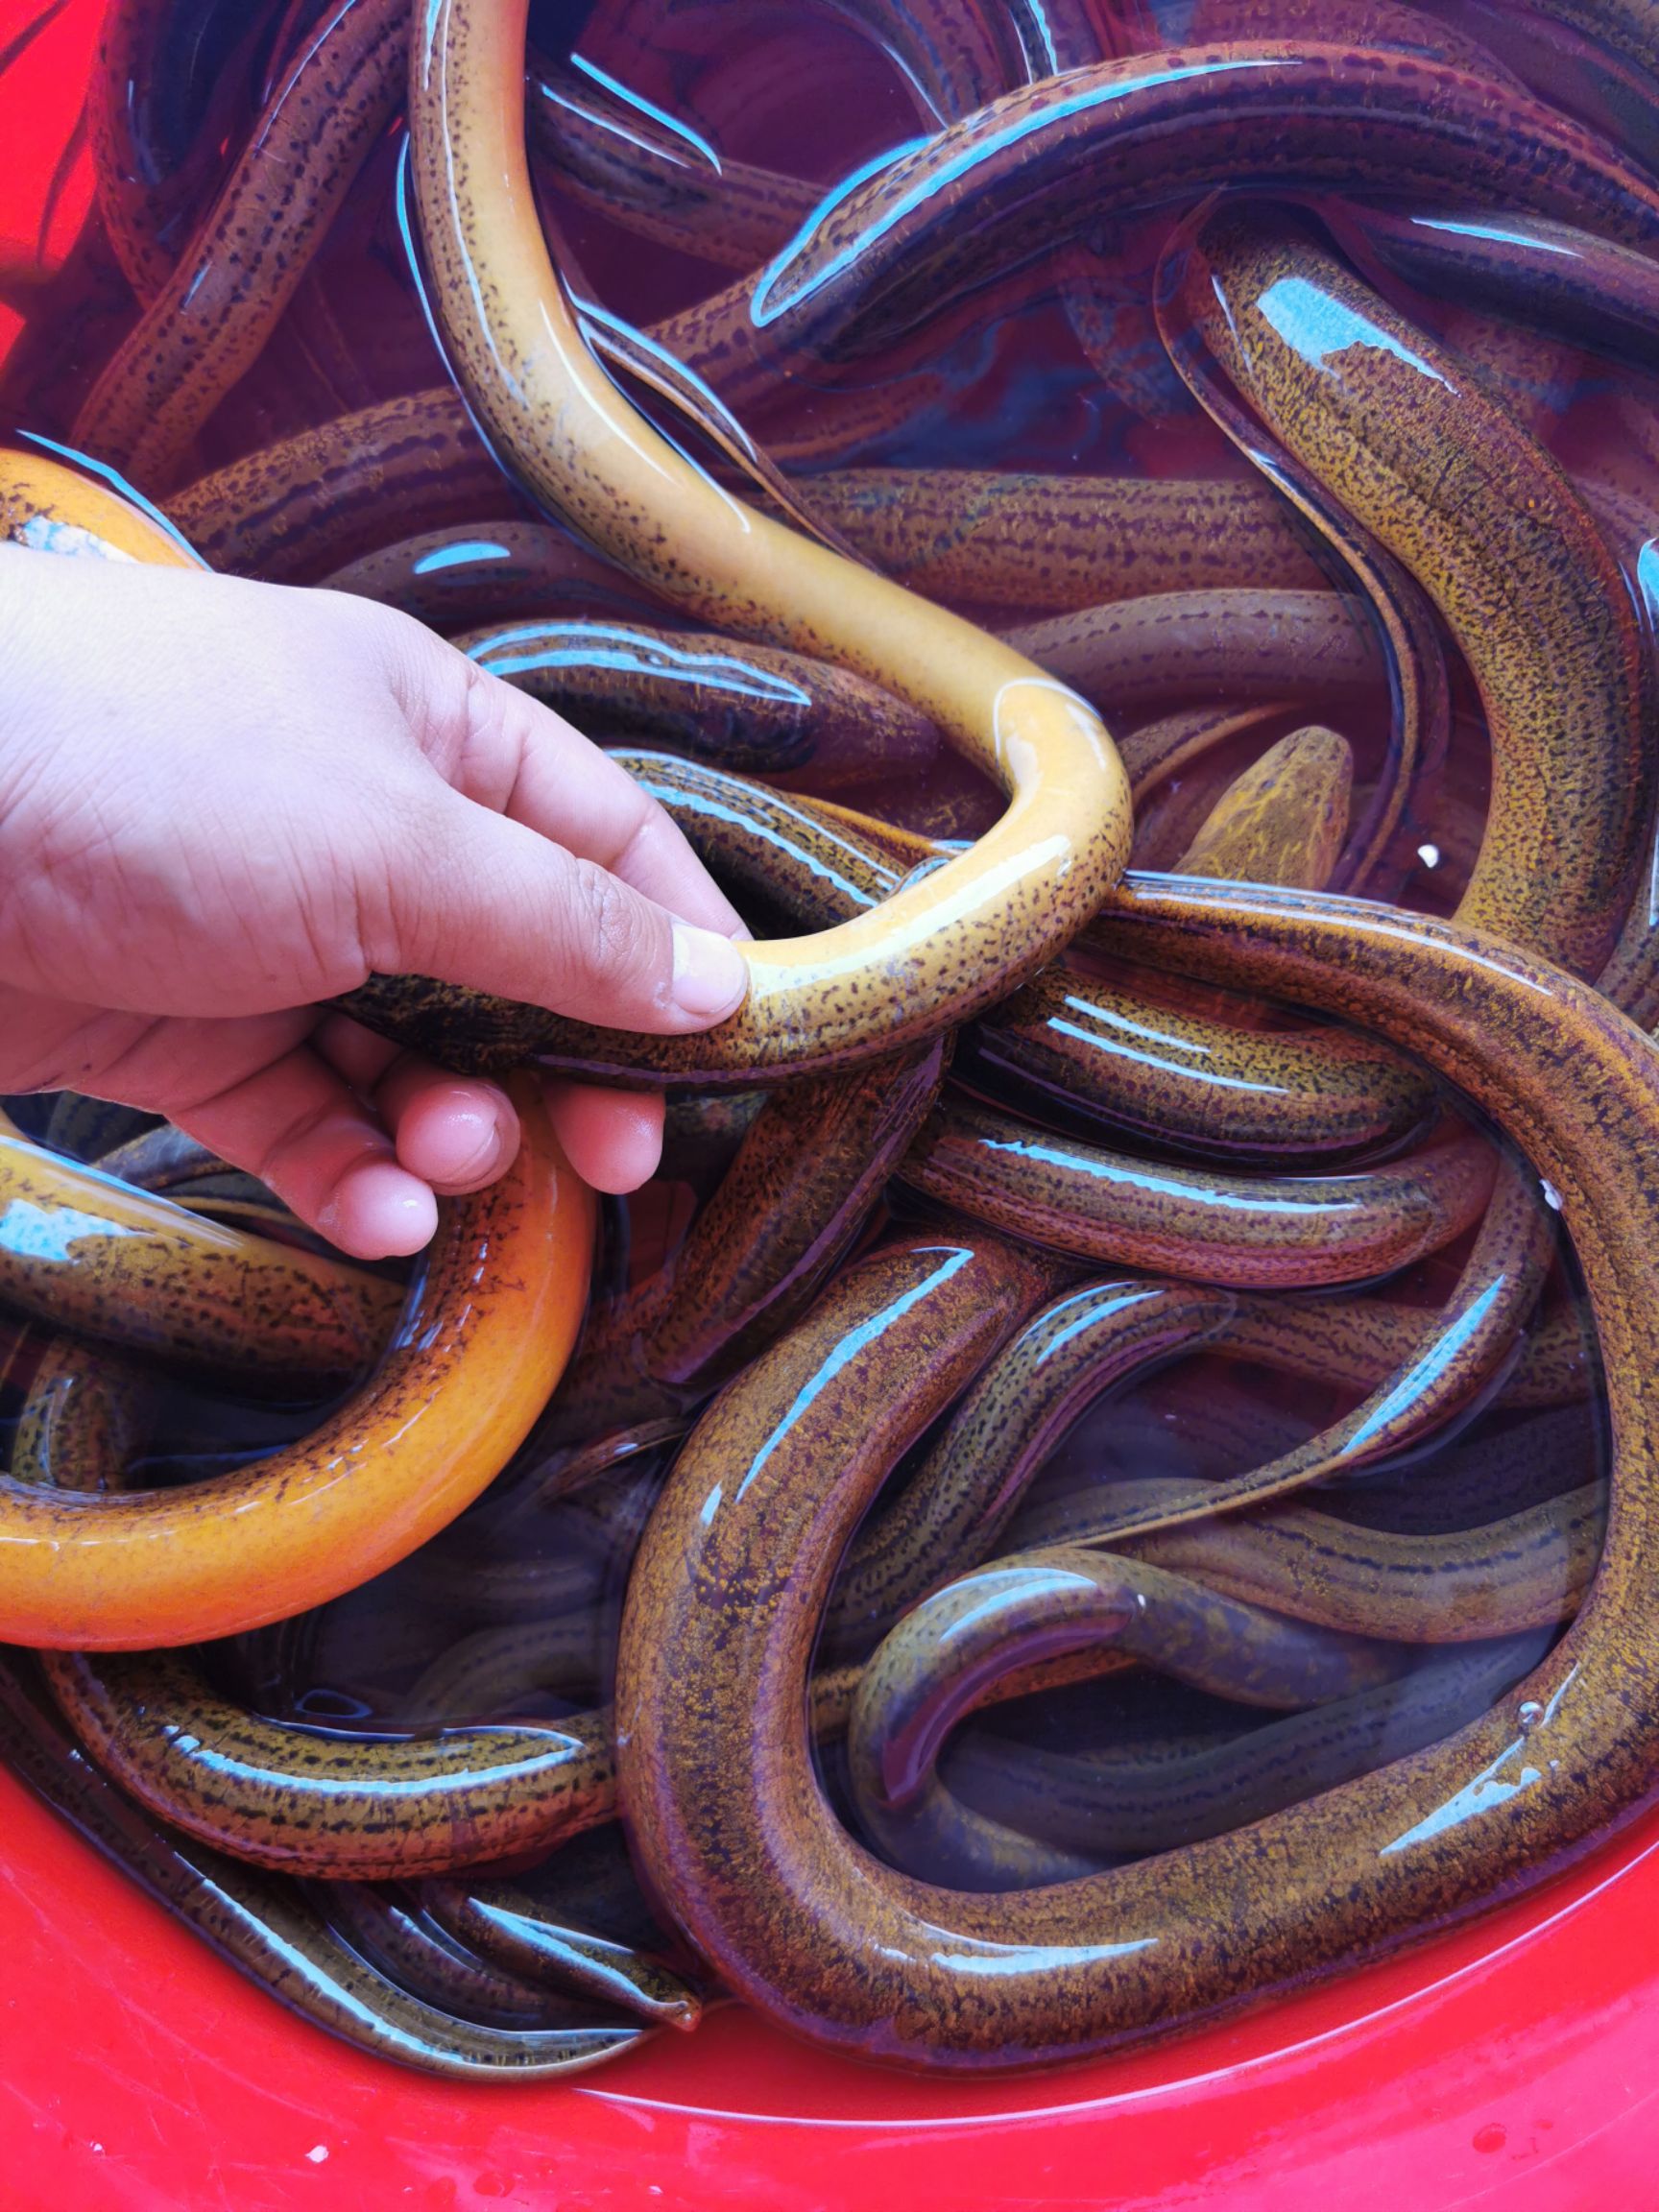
509, 753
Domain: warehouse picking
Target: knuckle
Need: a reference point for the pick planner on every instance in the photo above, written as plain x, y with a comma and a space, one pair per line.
484, 764
615, 926
467, 731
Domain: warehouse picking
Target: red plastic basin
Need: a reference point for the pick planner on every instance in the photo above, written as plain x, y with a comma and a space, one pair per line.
1515, 2064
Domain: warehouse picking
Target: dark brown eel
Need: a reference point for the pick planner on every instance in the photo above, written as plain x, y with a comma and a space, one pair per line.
737, 706
1036, 164
912, 1693
1395, 427
264, 1927
736, 1568
994, 1796
1264, 1232
1140, 1064
211, 318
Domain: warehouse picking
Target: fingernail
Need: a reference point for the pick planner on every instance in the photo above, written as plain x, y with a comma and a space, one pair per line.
388, 1224
710, 975
473, 1142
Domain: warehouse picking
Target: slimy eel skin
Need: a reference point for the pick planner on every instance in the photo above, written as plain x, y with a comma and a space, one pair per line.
735, 1571
1414, 446
265, 1927
484, 1336
210, 319
936, 950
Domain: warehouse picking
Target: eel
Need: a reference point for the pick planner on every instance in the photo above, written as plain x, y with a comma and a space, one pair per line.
733, 1578
265, 1928
586, 455
484, 1334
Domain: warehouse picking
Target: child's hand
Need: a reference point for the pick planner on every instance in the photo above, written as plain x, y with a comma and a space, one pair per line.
222, 802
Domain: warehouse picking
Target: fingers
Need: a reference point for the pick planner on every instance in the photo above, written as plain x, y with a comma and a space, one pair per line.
252, 1090
378, 1211
352, 1133
258, 1093
613, 1138
477, 898
510, 753
299, 1126
455, 1134
458, 1135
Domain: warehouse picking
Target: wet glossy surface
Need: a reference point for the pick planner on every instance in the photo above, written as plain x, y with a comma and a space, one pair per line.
713, 1754
508, 328
507, 1620
87, 1251
493, 1313
1413, 447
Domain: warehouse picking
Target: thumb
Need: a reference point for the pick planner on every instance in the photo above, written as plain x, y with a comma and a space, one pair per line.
479, 899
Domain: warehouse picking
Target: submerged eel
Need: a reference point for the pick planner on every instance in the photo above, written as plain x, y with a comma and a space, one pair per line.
1321, 1580
1627, 26
402, 1940
997, 1813
263, 1926
1585, 290
1206, 1634
736, 1565
807, 1175
306, 503
1354, 1343
169, 91
937, 950
209, 320
618, 160
957, 1504
1395, 427
463, 576
1233, 645
1475, 1329
1526, 1570
499, 1922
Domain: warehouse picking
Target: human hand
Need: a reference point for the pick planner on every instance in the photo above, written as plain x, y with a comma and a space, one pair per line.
222, 802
